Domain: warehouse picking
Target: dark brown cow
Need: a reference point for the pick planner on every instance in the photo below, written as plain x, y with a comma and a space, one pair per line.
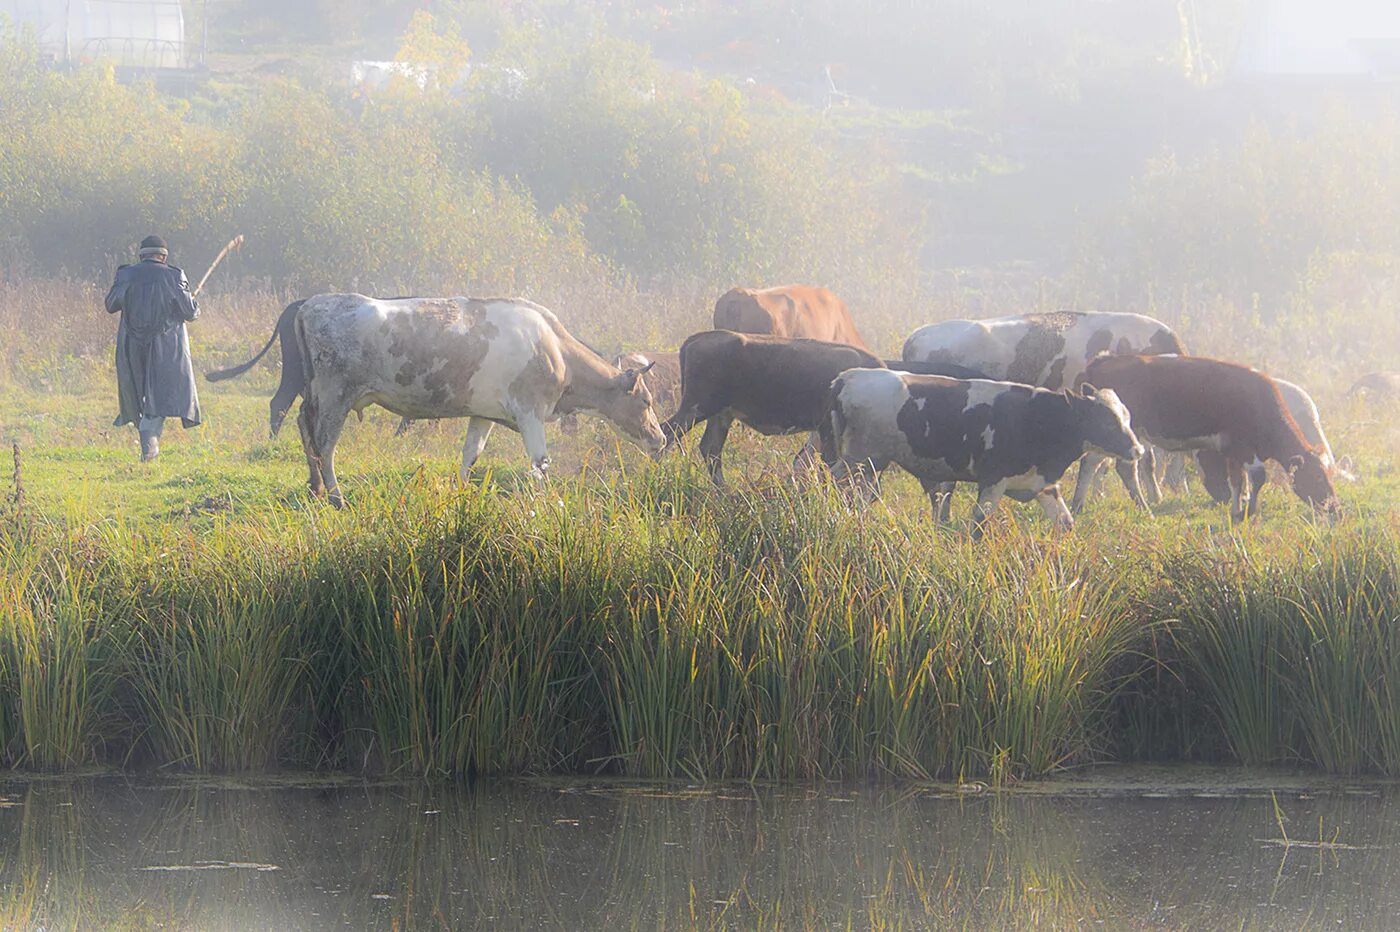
1193, 403
773, 384
794, 311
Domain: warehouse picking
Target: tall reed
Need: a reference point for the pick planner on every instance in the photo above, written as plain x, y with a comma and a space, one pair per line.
658, 627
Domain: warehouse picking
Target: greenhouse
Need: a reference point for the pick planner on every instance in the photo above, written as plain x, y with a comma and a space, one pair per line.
132, 33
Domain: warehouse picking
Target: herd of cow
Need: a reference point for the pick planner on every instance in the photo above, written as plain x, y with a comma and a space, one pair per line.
1008, 403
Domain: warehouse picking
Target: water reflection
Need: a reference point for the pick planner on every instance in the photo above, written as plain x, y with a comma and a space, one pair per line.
99, 852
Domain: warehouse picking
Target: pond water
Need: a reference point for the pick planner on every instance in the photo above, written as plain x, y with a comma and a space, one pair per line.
225, 855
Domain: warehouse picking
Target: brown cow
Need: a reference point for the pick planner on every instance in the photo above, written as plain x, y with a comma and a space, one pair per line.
794, 311
773, 384
1193, 403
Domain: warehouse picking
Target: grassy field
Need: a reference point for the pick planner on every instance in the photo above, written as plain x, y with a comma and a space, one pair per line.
202, 613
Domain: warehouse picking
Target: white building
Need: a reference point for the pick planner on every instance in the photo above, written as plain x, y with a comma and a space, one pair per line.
130, 33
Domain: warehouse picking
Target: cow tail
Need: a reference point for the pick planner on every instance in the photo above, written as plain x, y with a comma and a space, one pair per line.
234, 372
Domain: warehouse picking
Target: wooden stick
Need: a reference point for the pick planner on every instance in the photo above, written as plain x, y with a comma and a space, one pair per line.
232, 245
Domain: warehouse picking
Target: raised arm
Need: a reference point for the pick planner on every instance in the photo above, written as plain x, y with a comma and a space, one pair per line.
185, 304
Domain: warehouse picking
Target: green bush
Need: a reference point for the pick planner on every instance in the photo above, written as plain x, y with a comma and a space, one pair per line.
634, 172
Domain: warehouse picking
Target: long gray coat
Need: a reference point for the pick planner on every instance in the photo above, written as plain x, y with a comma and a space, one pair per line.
155, 377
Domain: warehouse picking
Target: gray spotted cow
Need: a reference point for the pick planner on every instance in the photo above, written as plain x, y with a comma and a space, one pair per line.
495, 360
1008, 438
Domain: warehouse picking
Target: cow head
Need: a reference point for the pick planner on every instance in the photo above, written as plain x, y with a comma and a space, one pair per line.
626, 402
1105, 422
1311, 482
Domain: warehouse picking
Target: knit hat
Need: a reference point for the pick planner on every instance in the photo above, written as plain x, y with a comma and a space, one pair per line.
153, 246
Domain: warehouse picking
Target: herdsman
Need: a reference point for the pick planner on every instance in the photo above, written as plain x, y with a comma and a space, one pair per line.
155, 378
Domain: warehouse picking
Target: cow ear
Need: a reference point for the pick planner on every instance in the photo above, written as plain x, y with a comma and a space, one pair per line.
1295, 463
1089, 391
649, 366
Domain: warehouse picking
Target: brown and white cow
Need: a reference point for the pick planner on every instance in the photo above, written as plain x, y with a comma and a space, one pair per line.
794, 311
1048, 350
1008, 438
495, 360
773, 384
1191, 403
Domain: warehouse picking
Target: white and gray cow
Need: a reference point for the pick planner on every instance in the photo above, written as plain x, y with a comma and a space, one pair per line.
1010, 439
1048, 350
496, 360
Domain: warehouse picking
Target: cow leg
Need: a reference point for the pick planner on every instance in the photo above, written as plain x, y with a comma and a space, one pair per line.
1128, 472
326, 425
277, 410
940, 496
680, 423
1055, 510
865, 481
988, 497
1174, 472
712, 445
1239, 489
1258, 476
306, 423
532, 432
1147, 474
945, 492
806, 457
478, 429
1213, 474
1089, 465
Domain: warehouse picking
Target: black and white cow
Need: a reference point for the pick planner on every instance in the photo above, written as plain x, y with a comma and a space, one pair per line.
1008, 438
1050, 350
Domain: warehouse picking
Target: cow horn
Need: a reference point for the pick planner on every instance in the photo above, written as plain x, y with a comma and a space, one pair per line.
648, 367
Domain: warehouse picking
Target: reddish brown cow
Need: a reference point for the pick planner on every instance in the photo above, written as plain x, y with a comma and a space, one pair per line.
793, 311
1193, 403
